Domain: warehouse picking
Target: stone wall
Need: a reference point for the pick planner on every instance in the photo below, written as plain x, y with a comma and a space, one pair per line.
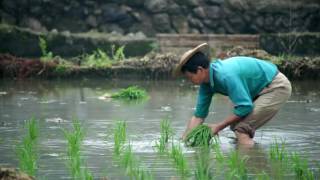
164, 16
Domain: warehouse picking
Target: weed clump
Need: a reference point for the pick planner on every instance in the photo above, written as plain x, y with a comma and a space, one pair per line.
199, 136
130, 93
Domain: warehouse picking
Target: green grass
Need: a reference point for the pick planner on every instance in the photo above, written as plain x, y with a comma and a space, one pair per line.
300, 167
27, 150
179, 160
130, 93
166, 133
203, 164
75, 162
46, 56
132, 165
199, 136
97, 59
119, 136
236, 166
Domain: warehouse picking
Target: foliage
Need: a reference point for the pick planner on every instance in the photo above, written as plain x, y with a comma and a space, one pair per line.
97, 59
236, 166
199, 136
27, 150
75, 163
118, 54
202, 171
45, 54
132, 165
300, 167
166, 132
130, 93
179, 160
119, 136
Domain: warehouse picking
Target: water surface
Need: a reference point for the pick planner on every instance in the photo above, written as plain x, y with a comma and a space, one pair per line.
56, 103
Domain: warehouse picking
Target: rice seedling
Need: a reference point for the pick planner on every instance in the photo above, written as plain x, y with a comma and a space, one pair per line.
262, 176
166, 132
278, 152
130, 93
133, 168
300, 167
199, 136
279, 159
202, 171
27, 150
119, 136
75, 163
179, 160
236, 166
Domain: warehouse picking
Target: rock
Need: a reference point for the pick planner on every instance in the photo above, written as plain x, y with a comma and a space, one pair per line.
113, 13
161, 23
199, 12
213, 12
92, 21
13, 174
215, 2
156, 6
180, 24
33, 24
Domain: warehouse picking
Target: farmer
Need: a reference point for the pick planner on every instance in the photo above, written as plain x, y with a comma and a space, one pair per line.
256, 88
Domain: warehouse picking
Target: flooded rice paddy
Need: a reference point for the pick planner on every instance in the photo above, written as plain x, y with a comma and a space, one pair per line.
56, 103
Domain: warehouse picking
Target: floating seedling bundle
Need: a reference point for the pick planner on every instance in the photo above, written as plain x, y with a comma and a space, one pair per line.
130, 93
199, 136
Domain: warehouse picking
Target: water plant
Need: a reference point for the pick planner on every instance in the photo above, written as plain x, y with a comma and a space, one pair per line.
130, 93
27, 150
279, 159
199, 136
179, 160
236, 166
132, 165
202, 171
119, 136
75, 162
300, 167
45, 54
166, 133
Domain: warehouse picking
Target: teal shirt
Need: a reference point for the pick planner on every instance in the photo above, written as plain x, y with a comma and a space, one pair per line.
240, 78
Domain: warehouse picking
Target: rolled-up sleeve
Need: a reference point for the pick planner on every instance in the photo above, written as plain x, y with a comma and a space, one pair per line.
239, 94
204, 100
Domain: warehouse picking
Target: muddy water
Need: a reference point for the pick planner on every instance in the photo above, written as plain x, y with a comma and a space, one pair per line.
55, 103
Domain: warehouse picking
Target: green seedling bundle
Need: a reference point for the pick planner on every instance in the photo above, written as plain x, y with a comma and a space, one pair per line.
130, 93
199, 136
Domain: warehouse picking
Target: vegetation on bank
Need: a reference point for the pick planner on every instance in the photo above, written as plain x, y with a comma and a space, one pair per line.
113, 63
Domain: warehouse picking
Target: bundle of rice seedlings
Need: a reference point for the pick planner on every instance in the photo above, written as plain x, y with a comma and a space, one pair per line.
199, 136
130, 93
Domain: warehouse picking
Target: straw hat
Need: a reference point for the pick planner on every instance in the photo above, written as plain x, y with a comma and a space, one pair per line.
187, 55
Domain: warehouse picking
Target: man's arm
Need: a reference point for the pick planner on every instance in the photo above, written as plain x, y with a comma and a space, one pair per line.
216, 128
194, 122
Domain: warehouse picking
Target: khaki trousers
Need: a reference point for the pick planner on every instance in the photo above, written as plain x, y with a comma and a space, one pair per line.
266, 105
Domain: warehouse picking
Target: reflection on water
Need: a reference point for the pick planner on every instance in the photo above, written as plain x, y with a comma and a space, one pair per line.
55, 103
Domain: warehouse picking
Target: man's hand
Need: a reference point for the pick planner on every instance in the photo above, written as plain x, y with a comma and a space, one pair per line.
215, 128
194, 122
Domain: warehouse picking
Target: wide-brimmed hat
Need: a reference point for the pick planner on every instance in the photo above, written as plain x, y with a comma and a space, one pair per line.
187, 55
